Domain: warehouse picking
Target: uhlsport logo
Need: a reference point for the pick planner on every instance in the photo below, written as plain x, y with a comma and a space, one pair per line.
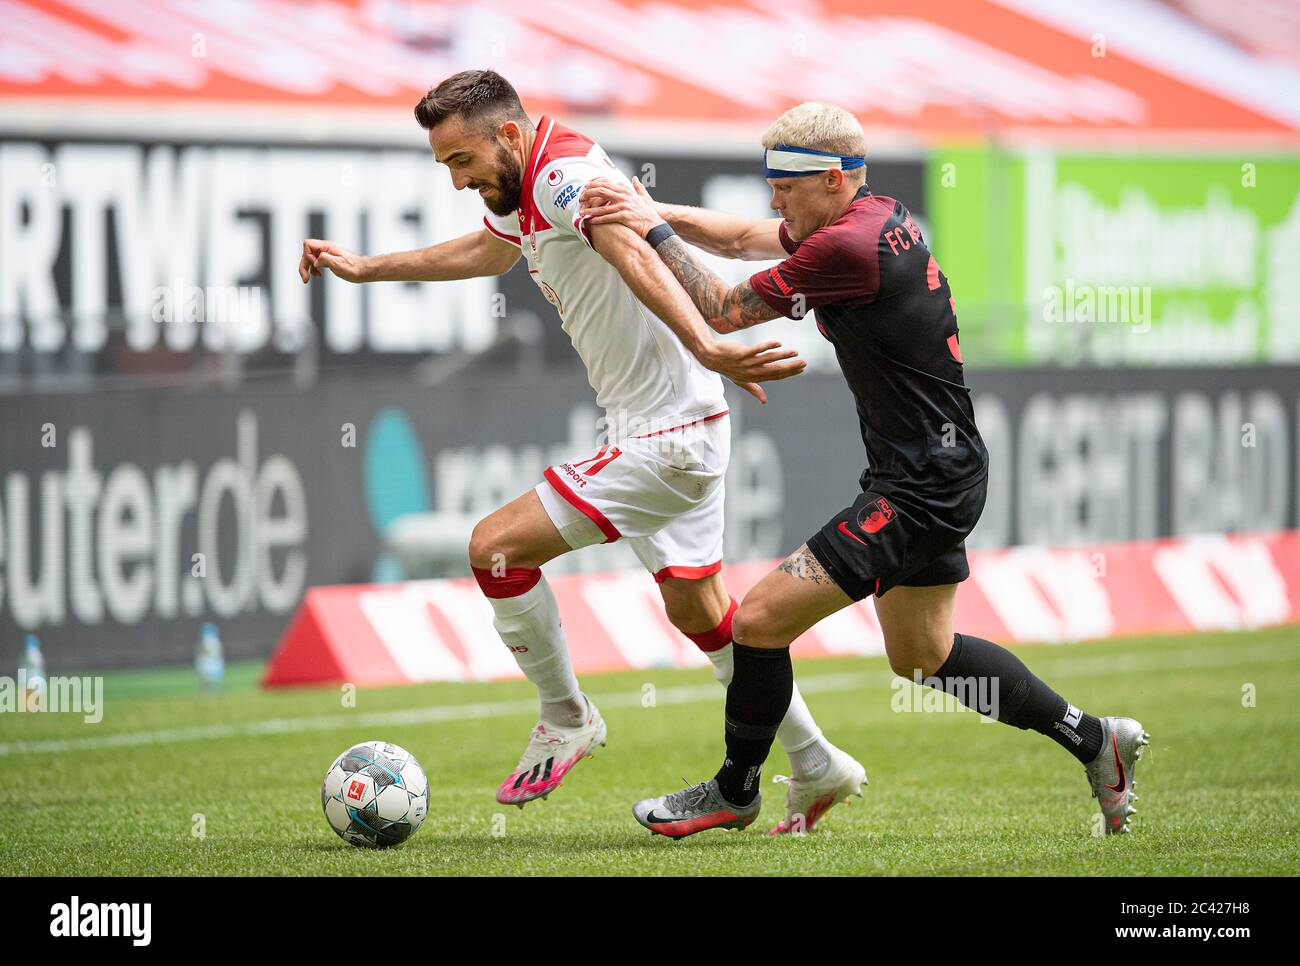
76, 919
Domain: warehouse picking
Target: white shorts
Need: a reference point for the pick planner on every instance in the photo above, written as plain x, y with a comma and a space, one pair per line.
662, 493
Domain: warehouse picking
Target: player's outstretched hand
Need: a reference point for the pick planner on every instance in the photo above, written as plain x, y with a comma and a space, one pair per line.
604, 200
748, 365
318, 253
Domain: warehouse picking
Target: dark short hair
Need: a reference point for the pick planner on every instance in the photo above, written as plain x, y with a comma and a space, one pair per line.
481, 97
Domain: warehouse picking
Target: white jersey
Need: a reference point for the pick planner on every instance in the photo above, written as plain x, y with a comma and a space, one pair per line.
645, 379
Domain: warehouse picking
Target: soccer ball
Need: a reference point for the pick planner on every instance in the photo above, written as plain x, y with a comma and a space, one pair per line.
375, 795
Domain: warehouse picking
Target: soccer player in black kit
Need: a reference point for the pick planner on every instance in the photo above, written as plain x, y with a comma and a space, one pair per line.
860, 260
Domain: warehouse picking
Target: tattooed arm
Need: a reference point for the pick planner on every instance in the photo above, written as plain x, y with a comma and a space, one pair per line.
650, 281
605, 200
725, 309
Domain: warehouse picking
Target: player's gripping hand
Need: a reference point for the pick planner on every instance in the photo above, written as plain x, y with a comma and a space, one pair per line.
605, 201
748, 365
318, 254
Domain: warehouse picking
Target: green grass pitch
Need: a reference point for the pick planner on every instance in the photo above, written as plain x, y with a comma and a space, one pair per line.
949, 794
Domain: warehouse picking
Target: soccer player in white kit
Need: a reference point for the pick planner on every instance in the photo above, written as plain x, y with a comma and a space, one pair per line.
654, 364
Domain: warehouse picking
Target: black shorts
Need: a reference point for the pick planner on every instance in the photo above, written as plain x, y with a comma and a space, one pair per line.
891, 537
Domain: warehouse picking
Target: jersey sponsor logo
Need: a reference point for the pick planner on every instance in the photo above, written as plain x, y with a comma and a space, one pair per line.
566, 195
873, 517
555, 177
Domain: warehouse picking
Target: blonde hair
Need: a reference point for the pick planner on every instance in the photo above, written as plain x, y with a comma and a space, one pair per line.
820, 127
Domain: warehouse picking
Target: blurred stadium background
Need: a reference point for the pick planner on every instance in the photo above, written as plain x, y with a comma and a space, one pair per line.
190, 435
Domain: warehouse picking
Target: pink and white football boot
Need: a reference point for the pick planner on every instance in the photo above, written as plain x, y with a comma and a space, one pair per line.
552, 751
808, 799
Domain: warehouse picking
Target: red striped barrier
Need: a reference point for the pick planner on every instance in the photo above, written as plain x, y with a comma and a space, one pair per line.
441, 630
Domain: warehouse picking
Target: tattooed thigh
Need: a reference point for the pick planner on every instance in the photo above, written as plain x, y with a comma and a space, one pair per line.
803, 565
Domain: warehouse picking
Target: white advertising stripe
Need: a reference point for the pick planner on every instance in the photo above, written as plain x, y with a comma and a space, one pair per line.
1250, 572
466, 609
401, 619
1223, 585
1006, 580
1072, 583
630, 612
853, 630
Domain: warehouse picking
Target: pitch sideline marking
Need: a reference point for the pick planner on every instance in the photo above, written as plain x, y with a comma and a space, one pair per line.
1082, 666
454, 712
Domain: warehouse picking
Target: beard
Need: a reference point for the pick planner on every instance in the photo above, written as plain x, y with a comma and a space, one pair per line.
505, 198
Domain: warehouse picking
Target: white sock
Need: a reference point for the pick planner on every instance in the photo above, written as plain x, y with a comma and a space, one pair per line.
802, 739
798, 734
565, 714
530, 624
812, 757
724, 664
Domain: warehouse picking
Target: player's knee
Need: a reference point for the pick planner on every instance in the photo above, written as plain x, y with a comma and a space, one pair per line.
689, 615
682, 619
758, 624
487, 544
915, 656
904, 667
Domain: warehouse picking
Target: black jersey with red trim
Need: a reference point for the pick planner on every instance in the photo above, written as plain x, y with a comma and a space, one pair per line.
885, 306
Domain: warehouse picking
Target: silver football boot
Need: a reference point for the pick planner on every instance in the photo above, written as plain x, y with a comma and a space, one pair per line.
1111, 772
692, 810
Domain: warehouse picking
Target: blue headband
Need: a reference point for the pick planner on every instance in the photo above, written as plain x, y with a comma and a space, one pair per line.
785, 161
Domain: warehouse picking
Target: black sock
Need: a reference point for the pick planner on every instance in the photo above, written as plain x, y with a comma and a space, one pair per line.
979, 672
757, 699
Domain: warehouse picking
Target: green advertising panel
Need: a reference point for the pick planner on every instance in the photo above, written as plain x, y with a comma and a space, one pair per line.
1104, 259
